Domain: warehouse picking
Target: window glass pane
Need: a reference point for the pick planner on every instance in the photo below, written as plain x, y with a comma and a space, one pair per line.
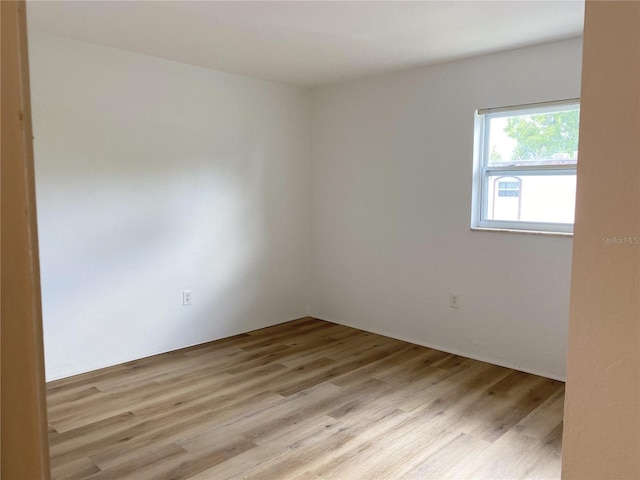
534, 139
539, 198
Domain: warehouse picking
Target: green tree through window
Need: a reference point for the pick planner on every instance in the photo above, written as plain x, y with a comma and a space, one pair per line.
540, 136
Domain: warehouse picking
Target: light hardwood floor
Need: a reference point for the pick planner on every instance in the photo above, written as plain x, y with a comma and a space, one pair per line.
306, 399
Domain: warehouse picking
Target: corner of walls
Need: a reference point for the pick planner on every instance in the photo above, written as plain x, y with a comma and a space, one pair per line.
323, 202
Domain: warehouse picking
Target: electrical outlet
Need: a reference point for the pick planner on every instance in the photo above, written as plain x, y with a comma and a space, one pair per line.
454, 300
186, 297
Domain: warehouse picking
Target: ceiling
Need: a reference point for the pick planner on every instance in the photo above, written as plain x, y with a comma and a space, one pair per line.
310, 43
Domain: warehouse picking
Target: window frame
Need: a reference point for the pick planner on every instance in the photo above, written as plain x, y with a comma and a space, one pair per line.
482, 171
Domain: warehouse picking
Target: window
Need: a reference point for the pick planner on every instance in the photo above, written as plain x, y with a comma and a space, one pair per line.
525, 167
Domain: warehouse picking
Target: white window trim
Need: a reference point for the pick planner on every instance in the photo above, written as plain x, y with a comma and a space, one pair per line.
481, 170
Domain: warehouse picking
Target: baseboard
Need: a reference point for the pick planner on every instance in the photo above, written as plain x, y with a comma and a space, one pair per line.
450, 350
106, 368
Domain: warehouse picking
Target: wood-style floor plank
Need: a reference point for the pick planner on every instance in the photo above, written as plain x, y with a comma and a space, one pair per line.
307, 400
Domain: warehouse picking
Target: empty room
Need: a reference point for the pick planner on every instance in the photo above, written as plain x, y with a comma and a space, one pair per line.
320, 240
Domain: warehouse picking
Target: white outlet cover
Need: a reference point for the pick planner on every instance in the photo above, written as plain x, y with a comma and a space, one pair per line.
186, 297
454, 300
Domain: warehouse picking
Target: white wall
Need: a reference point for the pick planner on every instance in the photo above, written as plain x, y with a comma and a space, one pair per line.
391, 196
154, 177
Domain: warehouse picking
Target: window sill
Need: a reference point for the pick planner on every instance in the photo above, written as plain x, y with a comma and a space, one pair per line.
525, 232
